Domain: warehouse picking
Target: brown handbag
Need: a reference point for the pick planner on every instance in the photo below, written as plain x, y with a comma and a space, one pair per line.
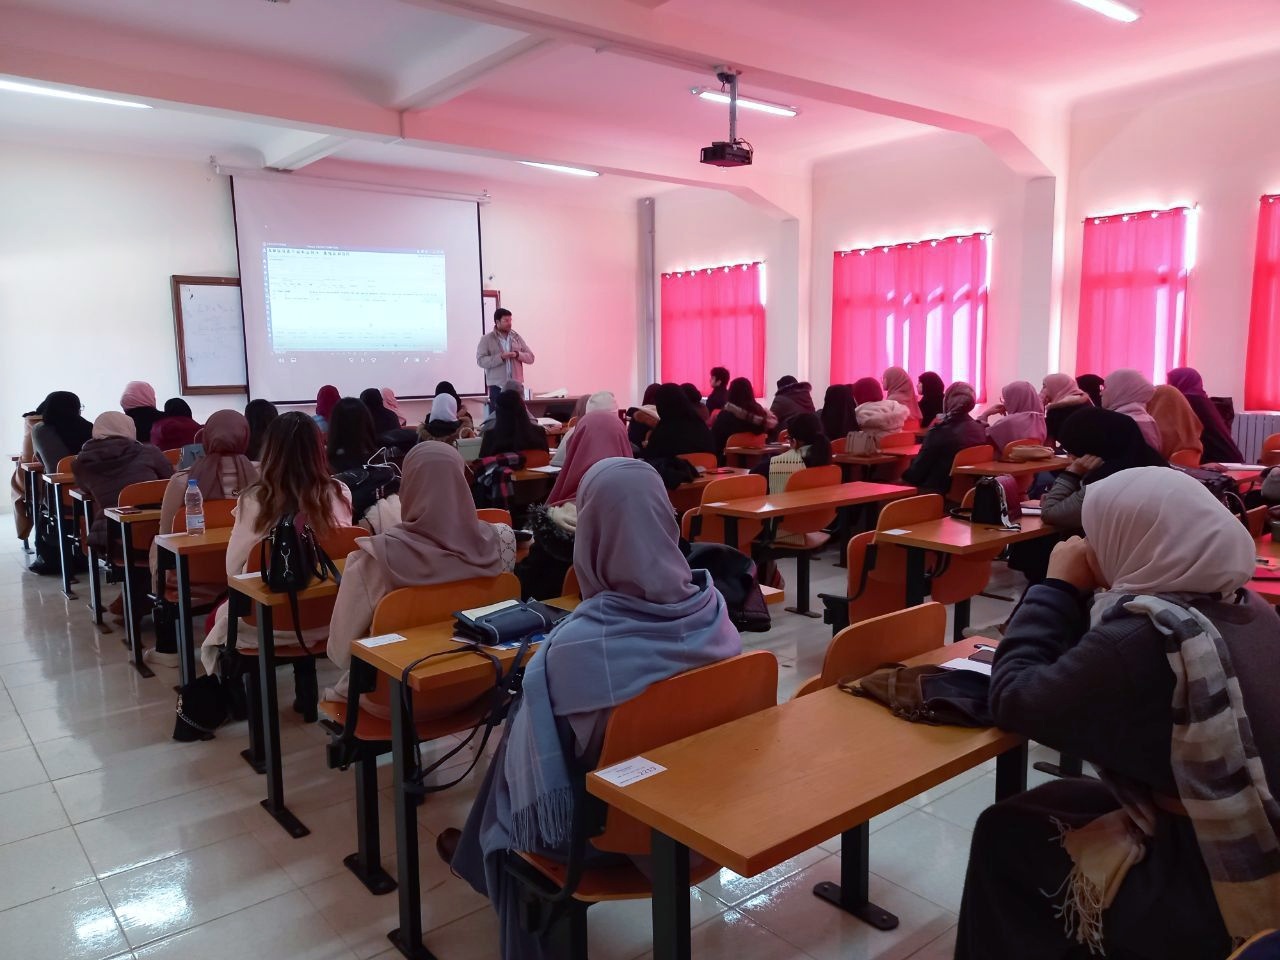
927, 694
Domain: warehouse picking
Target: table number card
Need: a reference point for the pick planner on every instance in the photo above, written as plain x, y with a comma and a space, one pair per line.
630, 771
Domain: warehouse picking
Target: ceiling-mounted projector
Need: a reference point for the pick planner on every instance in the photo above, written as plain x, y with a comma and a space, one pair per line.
733, 152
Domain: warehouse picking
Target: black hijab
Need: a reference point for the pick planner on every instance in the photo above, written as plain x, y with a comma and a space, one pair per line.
351, 437
61, 411
512, 430
383, 419
932, 390
838, 418
259, 413
444, 386
1091, 384
1116, 438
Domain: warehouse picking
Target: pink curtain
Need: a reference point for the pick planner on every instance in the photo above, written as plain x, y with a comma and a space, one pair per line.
1133, 293
1262, 358
713, 318
920, 306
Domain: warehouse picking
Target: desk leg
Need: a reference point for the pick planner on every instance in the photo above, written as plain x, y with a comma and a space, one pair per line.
853, 895
185, 628
1011, 773
917, 588
95, 576
132, 615
64, 555
274, 804
670, 899
730, 531
961, 620
237, 607
407, 938
1066, 767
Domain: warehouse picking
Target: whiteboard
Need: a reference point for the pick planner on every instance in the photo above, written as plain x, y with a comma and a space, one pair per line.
209, 322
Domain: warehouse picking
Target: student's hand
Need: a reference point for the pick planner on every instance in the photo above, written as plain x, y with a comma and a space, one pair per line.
1215, 467
1086, 464
1073, 562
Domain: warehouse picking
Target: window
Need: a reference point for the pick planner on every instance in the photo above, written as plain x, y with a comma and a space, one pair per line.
713, 318
1262, 364
1133, 292
921, 306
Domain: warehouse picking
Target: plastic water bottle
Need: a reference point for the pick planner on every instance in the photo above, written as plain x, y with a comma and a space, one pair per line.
195, 508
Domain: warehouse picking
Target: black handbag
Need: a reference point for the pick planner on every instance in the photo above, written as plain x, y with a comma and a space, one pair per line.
511, 624
203, 706
734, 574
1223, 487
291, 560
991, 503
370, 483
927, 694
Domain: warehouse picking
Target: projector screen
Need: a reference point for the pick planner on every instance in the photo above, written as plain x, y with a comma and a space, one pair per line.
356, 288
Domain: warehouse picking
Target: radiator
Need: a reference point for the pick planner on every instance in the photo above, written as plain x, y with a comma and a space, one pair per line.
1250, 429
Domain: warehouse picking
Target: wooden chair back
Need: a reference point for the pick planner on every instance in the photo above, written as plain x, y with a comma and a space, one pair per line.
705, 460
965, 577
1270, 455
209, 567
784, 436
808, 479
749, 441
1185, 458
64, 466
535, 458
1256, 520
148, 494
312, 613
860, 648
571, 587
879, 596
740, 487
840, 444
904, 439
436, 603
494, 515
676, 708
173, 456
966, 458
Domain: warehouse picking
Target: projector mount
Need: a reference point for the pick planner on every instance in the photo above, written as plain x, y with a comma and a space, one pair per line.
734, 152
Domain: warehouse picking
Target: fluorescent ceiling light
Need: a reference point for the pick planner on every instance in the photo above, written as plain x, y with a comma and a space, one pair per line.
15, 87
558, 168
747, 103
1112, 8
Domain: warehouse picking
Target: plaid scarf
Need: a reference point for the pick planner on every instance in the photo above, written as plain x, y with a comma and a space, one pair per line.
495, 478
1220, 781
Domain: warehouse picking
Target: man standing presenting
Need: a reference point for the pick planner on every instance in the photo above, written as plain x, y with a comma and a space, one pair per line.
502, 353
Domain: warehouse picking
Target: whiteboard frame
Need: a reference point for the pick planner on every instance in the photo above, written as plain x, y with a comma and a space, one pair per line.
176, 283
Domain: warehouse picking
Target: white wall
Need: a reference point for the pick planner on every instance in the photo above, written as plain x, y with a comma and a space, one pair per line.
938, 185
89, 241
1215, 144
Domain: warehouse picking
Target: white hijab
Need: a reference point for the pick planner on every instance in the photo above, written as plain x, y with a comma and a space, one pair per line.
1158, 531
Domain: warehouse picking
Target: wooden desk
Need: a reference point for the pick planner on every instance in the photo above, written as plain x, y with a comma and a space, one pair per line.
689, 495
757, 791
174, 551
391, 659
132, 604
995, 468
954, 537
82, 506
66, 557
869, 461
1269, 590
778, 505
750, 456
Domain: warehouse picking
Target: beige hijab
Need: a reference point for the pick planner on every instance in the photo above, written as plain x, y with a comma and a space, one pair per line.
114, 424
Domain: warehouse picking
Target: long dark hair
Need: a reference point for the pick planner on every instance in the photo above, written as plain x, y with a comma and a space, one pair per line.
351, 435
806, 431
294, 477
838, 418
383, 419
260, 414
743, 394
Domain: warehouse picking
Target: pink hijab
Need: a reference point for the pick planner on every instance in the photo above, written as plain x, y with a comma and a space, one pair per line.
439, 539
1024, 416
138, 393
1062, 388
898, 386
598, 436
1128, 392
391, 403
224, 472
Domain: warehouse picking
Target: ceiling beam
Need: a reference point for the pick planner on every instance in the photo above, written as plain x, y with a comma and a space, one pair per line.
295, 149
463, 66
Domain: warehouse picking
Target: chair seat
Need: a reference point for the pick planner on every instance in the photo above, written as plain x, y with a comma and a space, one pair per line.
373, 728
289, 651
621, 881
812, 541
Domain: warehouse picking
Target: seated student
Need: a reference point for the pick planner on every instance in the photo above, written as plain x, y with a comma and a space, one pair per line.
1021, 416
139, 402
952, 432
932, 390
109, 461
1180, 428
898, 386
695, 400
1092, 384
1103, 442
809, 448
791, 399
464, 415
645, 616
719, 394
595, 403
391, 403
874, 412
438, 540
60, 430
1219, 447
599, 436
1166, 682
223, 473
1129, 392
176, 429
838, 415
326, 399
741, 414
293, 478
443, 422
1062, 397
512, 430
644, 417
351, 435
259, 414
383, 419
679, 430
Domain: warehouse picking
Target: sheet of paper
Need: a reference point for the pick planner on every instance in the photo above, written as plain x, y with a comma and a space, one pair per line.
256, 575
630, 771
974, 665
1030, 511
1244, 466
896, 531
547, 469
492, 608
381, 640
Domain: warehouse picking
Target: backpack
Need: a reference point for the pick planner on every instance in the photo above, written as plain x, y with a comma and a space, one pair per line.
996, 503
734, 575
1224, 488
291, 560
370, 483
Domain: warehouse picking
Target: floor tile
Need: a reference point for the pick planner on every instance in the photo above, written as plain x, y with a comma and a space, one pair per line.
75, 925
100, 742
925, 855
40, 866
962, 806
333, 836
30, 811
944, 948
735, 936
623, 929
731, 889
171, 895
13, 733
20, 767
474, 937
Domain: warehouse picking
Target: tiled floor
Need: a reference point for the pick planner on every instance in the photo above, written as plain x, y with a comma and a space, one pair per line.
116, 841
